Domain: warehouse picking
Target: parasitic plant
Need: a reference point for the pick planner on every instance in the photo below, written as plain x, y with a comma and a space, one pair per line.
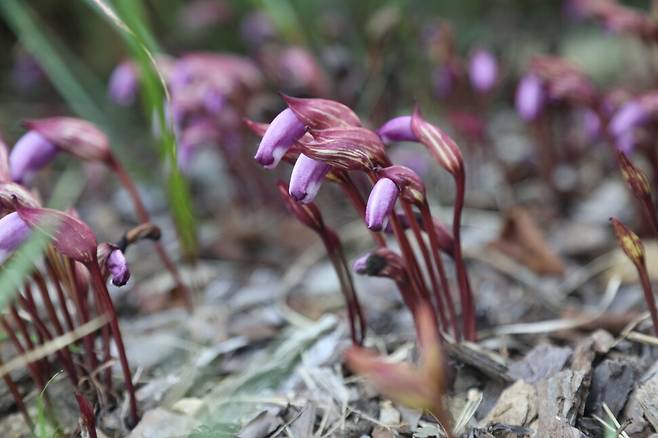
632, 246
64, 292
326, 141
46, 137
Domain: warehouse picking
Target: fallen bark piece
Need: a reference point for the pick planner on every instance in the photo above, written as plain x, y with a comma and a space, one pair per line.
480, 359
561, 400
612, 382
586, 350
647, 395
522, 240
541, 362
516, 406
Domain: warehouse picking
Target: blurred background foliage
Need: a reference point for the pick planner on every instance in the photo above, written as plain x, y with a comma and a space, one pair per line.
78, 49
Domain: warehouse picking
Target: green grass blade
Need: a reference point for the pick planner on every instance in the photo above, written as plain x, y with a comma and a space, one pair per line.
128, 20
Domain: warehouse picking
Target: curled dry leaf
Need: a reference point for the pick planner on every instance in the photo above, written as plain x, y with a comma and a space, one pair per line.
522, 240
418, 387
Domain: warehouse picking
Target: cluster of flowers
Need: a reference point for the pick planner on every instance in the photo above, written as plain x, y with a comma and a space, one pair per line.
66, 289
628, 122
464, 83
209, 93
326, 140
46, 138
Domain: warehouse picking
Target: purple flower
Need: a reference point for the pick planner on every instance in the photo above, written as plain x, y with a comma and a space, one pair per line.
591, 123
31, 152
397, 129
124, 83
360, 265
530, 97
380, 203
118, 268
282, 133
625, 142
444, 80
13, 232
214, 101
483, 70
306, 178
630, 115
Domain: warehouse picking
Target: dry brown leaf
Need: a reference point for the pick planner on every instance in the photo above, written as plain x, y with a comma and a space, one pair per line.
522, 240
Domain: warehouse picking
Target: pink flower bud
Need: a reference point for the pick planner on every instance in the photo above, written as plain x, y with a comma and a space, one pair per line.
380, 203
306, 178
397, 129
117, 266
483, 70
282, 133
124, 83
530, 97
31, 153
630, 115
13, 232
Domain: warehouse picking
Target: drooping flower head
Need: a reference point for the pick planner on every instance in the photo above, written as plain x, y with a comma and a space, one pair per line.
32, 152
13, 232
282, 133
117, 266
397, 129
306, 178
381, 201
124, 83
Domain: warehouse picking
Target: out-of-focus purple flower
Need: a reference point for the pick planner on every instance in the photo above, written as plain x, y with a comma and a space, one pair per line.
31, 153
630, 115
444, 80
397, 129
306, 178
203, 14
13, 232
380, 203
483, 70
124, 83
360, 265
625, 141
530, 97
117, 266
282, 133
591, 123
298, 68
257, 28
214, 101
199, 131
